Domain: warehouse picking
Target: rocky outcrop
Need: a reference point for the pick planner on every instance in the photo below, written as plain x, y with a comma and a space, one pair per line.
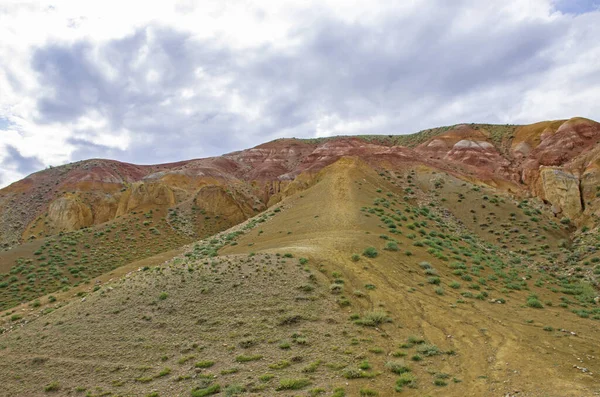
561, 189
145, 194
222, 201
69, 212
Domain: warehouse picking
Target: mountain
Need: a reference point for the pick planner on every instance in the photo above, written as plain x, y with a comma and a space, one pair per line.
456, 261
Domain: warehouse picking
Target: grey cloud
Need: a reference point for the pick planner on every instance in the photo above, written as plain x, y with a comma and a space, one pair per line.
22, 164
351, 70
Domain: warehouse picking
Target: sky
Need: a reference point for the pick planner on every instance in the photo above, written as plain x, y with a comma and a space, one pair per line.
158, 81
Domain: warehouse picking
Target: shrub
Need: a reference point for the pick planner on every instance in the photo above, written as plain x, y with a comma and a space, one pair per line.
290, 319
280, 365
415, 340
355, 258
339, 392
207, 391
391, 246
204, 364
532, 301
397, 366
373, 319
364, 365
406, 379
52, 386
370, 252
266, 377
244, 359
293, 384
234, 390
354, 373
163, 296
312, 367
285, 345
454, 285
428, 350
166, 371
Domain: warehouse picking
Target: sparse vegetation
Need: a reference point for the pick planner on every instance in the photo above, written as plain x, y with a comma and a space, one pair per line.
444, 258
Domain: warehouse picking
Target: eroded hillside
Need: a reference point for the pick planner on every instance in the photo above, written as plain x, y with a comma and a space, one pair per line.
554, 161
363, 280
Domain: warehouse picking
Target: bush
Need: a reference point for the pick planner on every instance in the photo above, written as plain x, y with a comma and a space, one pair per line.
370, 252
355, 258
293, 384
398, 367
373, 319
534, 302
354, 373
207, 391
406, 379
52, 386
234, 390
244, 359
166, 371
391, 246
163, 296
428, 350
204, 364
339, 392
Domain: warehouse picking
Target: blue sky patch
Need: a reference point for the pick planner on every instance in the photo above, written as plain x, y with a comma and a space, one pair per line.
577, 6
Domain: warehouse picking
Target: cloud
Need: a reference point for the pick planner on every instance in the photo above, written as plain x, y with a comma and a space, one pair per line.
204, 78
14, 164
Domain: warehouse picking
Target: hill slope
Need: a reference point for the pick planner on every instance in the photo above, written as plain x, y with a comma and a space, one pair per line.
367, 278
